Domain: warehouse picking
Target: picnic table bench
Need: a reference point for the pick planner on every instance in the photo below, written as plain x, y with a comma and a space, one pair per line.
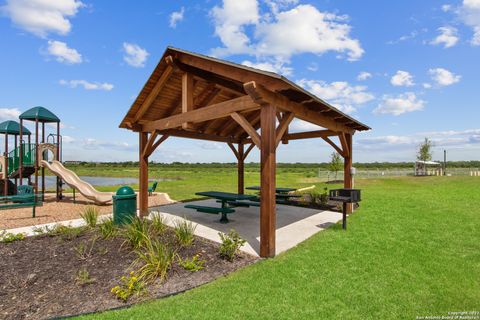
21, 201
282, 195
224, 198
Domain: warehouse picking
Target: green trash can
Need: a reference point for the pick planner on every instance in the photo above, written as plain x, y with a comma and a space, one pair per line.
124, 205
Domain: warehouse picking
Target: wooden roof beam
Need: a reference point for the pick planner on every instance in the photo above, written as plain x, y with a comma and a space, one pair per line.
230, 85
215, 111
156, 89
196, 135
232, 72
264, 96
303, 135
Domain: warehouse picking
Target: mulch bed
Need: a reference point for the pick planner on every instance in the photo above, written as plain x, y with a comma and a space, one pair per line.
38, 274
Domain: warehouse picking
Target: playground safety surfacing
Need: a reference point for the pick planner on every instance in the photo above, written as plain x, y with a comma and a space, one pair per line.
53, 211
294, 224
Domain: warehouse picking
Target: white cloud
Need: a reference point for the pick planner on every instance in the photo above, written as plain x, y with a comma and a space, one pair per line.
42, 17
230, 22
448, 37
340, 93
281, 34
441, 139
443, 77
446, 8
427, 85
275, 66
298, 125
402, 79
176, 17
362, 76
403, 103
469, 13
208, 145
9, 114
63, 53
87, 85
135, 56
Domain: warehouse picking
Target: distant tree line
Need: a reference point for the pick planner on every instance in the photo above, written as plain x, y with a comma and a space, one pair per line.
252, 165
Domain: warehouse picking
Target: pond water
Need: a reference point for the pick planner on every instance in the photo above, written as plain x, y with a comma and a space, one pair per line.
99, 181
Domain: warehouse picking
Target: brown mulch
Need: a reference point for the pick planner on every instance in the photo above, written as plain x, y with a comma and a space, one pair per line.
53, 211
37, 275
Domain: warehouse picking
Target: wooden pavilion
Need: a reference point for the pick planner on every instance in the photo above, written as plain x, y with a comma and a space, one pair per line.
194, 96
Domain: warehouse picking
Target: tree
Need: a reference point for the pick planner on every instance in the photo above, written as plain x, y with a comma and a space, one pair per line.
335, 164
425, 151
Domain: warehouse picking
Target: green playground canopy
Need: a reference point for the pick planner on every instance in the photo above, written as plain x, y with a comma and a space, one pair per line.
39, 113
13, 127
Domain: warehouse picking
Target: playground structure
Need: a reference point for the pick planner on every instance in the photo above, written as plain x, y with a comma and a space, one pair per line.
29, 159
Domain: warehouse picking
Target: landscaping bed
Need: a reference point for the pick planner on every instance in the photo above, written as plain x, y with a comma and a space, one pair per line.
72, 271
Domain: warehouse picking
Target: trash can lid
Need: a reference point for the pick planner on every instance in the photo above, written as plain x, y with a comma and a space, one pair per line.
125, 191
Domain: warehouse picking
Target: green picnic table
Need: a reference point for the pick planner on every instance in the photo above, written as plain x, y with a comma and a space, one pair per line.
225, 198
282, 195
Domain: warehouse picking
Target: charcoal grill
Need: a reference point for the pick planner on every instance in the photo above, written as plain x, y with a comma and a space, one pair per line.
345, 196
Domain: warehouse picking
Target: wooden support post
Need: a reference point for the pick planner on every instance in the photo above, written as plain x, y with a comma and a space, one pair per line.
347, 166
143, 181
240, 168
267, 181
187, 96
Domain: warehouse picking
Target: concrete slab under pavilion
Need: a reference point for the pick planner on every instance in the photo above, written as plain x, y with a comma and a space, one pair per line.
293, 224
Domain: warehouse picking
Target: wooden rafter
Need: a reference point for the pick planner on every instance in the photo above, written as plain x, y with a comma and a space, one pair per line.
155, 91
247, 127
197, 135
187, 96
303, 135
214, 111
230, 85
232, 72
263, 96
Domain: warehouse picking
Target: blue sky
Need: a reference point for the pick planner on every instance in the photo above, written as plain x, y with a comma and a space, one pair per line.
408, 69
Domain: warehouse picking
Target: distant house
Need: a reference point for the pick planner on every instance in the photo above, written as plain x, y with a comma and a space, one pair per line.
428, 168
72, 162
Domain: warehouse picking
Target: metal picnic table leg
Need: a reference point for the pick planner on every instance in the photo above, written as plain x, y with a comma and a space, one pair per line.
224, 218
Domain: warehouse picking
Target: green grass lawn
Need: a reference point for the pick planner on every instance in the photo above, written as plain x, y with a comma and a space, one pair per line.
193, 179
412, 249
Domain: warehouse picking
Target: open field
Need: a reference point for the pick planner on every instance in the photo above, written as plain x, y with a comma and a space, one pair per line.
189, 178
412, 249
